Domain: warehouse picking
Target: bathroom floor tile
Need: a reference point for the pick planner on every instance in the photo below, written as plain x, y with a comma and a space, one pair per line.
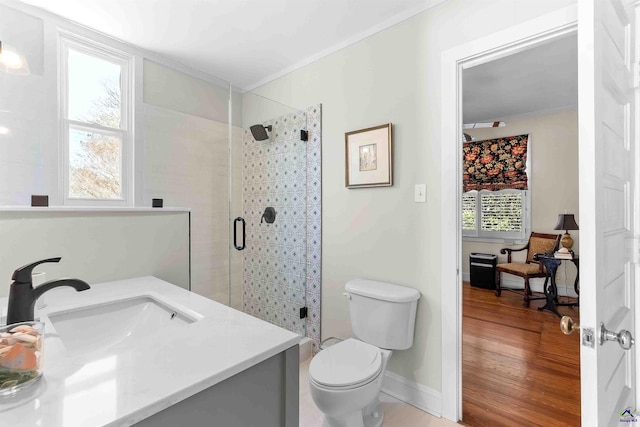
397, 413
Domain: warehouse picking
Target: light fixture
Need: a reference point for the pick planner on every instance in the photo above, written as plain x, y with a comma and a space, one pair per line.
566, 222
12, 62
479, 125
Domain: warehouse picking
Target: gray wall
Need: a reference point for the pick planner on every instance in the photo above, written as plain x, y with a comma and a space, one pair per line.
97, 247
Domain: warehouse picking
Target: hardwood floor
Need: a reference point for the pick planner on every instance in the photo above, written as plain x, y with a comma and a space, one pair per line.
517, 366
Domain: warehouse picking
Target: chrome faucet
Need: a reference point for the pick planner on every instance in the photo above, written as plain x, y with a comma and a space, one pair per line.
23, 296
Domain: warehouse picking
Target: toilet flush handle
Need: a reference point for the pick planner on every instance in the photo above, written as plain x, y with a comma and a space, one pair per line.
347, 294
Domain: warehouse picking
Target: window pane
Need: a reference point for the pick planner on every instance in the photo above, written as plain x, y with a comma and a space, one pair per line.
94, 90
501, 211
94, 165
469, 210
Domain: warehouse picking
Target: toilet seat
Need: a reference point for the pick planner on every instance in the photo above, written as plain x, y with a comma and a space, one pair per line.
348, 364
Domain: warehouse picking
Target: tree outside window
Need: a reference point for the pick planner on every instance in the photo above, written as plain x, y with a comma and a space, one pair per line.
95, 108
95, 159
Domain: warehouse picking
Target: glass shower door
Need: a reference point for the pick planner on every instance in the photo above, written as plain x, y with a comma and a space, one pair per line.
268, 212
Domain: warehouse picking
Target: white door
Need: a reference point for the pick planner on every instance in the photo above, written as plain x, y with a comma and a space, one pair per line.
608, 213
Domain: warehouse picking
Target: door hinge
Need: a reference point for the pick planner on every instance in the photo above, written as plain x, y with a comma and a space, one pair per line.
303, 312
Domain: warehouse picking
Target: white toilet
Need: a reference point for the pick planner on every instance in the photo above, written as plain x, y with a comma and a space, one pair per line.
346, 378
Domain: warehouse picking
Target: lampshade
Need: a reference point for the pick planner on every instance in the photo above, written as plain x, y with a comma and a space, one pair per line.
566, 222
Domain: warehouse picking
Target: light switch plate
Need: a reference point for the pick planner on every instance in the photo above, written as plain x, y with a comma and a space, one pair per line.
420, 193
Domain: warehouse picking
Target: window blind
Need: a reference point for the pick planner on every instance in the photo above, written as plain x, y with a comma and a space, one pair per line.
495, 164
469, 211
501, 211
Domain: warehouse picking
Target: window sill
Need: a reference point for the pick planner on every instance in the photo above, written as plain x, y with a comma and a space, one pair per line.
496, 240
88, 209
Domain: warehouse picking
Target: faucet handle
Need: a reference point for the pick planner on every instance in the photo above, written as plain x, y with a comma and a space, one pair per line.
23, 274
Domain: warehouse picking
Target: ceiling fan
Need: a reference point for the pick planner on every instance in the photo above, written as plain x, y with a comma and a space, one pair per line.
479, 125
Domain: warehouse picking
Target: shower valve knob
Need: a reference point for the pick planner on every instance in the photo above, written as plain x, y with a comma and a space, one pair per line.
269, 215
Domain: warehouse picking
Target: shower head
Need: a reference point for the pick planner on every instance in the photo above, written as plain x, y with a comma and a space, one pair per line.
259, 132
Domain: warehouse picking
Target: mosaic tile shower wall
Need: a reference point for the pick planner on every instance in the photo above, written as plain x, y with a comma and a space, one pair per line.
282, 259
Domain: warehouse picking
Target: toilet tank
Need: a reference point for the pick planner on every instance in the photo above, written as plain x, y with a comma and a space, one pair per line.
382, 314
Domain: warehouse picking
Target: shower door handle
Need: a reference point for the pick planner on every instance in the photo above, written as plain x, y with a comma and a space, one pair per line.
235, 233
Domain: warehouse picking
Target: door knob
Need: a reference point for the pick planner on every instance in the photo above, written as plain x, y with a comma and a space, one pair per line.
567, 326
624, 337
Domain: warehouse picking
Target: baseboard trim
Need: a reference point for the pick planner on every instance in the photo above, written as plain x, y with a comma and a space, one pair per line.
537, 284
418, 395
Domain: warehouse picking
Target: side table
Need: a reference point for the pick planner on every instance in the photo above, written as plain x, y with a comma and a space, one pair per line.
551, 265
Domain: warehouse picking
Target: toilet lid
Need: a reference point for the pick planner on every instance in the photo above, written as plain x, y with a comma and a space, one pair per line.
347, 363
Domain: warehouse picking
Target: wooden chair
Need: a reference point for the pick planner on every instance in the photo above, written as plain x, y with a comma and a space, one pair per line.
539, 243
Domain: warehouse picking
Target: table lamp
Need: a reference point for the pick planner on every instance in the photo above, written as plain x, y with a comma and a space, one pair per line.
566, 222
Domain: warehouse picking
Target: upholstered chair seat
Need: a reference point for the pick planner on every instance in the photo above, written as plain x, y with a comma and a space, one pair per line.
539, 243
526, 269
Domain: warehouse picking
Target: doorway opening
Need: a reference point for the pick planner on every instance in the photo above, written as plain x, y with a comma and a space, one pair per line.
500, 45
520, 171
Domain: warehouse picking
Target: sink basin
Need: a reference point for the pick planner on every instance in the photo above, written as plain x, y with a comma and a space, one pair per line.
101, 326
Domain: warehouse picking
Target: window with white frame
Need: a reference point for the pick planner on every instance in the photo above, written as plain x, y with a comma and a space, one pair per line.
96, 105
495, 214
496, 201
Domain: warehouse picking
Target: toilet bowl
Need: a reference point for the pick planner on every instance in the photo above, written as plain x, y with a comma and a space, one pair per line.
345, 380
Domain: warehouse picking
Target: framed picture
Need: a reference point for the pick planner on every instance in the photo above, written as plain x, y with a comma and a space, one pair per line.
369, 157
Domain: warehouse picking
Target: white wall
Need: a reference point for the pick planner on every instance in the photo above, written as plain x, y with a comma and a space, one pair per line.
31, 147
177, 91
186, 162
554, 182
380, 233
181, 143
28, 112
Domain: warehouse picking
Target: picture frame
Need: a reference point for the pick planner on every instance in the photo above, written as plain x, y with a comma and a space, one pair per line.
369, 157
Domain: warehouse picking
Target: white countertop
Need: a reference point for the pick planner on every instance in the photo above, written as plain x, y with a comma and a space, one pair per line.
120, 388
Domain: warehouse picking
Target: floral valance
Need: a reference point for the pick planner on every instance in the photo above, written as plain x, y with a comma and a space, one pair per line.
495, 164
